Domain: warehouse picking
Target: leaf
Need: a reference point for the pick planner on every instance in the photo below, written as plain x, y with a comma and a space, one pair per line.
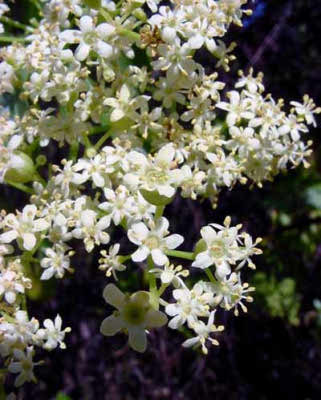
62, 396
313, 196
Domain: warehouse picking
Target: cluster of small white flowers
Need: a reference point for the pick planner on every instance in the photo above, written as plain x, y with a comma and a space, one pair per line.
95, 72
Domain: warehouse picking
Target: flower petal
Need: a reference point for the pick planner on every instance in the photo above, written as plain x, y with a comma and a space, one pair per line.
114, 296
155, 319
137, 339
111, 325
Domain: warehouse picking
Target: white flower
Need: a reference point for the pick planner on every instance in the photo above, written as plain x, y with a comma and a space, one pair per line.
203, 332
306, 110
190, 304
221, 248
24, 226
53, 335
230, 293
119, 204
153, 240
90, 38
238, 108
160, 175
134, 313
170, 274
123, 105
11, 284
56, 262
111, 262
23, 365
175, 58
91, 230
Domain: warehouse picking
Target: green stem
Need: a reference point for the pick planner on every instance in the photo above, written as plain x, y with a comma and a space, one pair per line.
162, 289
159, 211
39, 178
187, 255
102, 140
123, 259
14, 24
87, 142
98, 129
210, 275
24, 303
154, 297
129, 34
106, 15
12, 39
21, 186
73, 151
36, 4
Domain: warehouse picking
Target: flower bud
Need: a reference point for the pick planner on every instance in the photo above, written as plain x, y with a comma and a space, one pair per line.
153, 197
96, 4
21, 168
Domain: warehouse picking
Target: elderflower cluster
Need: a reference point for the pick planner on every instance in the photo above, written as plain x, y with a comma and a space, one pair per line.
116, 93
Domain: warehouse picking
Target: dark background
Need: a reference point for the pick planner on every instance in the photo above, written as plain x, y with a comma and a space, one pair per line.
265, 354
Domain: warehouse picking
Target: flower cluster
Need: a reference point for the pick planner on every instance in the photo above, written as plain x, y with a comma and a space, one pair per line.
119, 89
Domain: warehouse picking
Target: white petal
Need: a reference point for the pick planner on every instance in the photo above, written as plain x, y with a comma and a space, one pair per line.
47, 274
190, 342
140, 230
174, 241
176, 322
104, 30
140, 254
104, 49
117, 114
40, 225
8, 237
203, 260
159, 257
10, 297
208, 234
29, 241
98, 180
86, 24
82, 51
196, 42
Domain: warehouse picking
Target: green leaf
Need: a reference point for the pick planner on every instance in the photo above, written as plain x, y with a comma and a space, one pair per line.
313, 196
62, 396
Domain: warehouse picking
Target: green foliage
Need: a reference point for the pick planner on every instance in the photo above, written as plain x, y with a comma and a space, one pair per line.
62, 396
279, 298
313, 196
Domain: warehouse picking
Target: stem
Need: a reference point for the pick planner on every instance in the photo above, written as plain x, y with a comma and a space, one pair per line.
210, 275
12, 39
24, 303
129, 34
73, 151
39, 178
36, 4
98, 129
21, 186
187, 255
154, 297
123, 259
159, 211
105, 14
14, 24
162, 289
102, 140
87, 142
